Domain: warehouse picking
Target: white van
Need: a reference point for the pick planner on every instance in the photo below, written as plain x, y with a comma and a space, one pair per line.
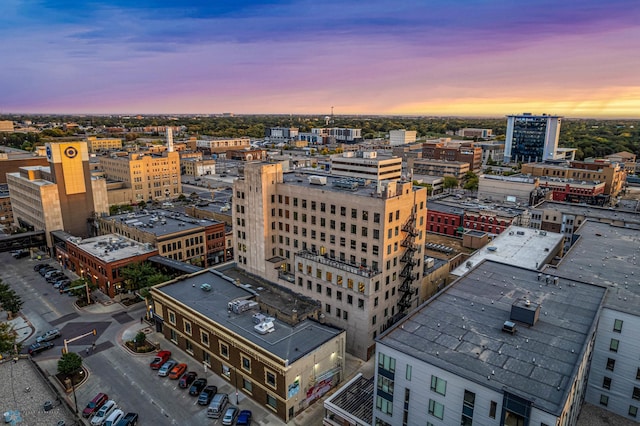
217, 405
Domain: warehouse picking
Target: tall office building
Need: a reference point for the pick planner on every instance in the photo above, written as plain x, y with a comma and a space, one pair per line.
353, 246
531, 138
62, 196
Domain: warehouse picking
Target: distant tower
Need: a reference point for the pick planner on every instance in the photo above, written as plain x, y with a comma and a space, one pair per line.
531, 138
169, 139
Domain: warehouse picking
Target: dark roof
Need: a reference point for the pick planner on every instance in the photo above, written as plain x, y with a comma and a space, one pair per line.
460, 330
355, 398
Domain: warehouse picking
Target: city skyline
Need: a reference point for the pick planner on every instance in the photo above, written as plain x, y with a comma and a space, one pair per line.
485, 58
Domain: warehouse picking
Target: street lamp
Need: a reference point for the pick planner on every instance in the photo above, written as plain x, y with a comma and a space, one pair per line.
73, 389
235, 376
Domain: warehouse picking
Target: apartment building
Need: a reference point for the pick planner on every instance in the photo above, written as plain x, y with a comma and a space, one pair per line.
144, 177
177, 236
503, 345
281, 134
366, 165
355, 247
220, 145
6, 213
329, 135
219, 322
469, 132
454, 151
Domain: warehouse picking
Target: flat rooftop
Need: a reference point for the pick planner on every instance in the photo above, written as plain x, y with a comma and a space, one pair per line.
600, 213
162, 222
364, 188
607, 255
286, 341
111, 247
460, 330
516, 246
355, 399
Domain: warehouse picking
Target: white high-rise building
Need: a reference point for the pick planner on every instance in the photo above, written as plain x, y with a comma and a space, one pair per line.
531, 138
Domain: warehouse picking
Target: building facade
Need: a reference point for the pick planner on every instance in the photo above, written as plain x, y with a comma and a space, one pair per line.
531, 138
280, 366
221, 145
95, 145
366, 165
465, 152
402, 137
422, 166
356, 249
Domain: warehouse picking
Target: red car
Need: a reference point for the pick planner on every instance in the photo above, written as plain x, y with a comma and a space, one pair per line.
161, 358
94, 405
187, 378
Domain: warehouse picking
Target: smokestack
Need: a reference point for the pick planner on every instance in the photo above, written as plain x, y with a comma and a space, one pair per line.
169, 139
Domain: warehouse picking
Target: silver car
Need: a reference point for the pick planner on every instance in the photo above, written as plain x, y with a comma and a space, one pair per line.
49, 335
166, 368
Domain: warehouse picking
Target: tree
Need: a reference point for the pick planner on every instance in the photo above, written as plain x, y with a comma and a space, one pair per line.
450, 182
7, 338
140, 275
140, 339
69, 363
10, 301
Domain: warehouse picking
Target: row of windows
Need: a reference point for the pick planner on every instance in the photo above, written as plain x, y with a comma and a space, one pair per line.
633, 410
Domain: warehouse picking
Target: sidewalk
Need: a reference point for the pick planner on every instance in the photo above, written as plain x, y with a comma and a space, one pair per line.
20, 325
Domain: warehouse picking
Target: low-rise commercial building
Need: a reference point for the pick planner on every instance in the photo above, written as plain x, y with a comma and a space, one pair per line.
422, 166
283, 367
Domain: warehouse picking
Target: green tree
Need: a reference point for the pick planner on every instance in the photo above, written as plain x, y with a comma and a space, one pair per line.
140, 275
69, 363
10, 301
450, 182
7, 338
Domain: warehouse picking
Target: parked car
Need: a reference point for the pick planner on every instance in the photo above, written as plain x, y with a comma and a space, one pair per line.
19, 254
54, 333
129, 419
166, 368
161, 358
177, 371
38, 266
244, 418
197, 386
187, 378
55, 277
114, 418
103, 413
229, 416
51, 272
62, 283
46, 269
95, 404
207, 394
36, 348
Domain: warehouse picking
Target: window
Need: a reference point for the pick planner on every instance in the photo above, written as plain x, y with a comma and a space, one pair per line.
408, 373
633, 411
638, 374
361, 303
189, 347
172, 318
604, 400
613, 346
270, 378
611, 364
246, 363
247, 385
636, 393
204, 338
338, 295
272, 402
438, 385
224, 350
606, 383
385, 385
492, 409
376, 217
436, 409
617, 326
384, 405
327, 308
387, 363
173, 336
187, 327
467, 408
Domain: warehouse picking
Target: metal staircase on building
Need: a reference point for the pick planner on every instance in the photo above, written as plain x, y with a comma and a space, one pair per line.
408, 277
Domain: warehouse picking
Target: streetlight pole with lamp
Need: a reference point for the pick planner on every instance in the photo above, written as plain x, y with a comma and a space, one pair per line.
235, 376
73, 389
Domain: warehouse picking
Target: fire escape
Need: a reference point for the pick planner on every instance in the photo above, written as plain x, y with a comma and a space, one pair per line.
407, 275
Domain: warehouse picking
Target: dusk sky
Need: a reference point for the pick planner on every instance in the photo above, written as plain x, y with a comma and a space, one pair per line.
417, 57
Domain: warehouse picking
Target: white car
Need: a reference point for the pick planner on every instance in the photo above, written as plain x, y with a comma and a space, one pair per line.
104, 412
114, 418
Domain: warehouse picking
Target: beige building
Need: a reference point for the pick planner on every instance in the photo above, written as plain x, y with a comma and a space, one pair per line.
95, 145
144, 177
402, 137
218, 321
366, 165
223, 144
357, 249
423, 166
63, 196
198, 167
511, 189
6, 126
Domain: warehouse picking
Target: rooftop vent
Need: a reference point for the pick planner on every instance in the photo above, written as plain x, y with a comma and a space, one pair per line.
205, 287
509, 327
265, 327
524, 311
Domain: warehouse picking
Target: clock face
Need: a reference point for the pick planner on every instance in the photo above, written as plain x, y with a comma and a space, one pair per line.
48, 152
70, 152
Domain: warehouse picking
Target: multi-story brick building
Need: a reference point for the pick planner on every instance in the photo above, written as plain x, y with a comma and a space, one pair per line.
454, 151
101, 259
422, 166
281, 366
197, 241
355, 247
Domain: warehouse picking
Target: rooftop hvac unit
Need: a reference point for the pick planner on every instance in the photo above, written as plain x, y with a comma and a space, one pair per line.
265, 327
318, 180
205, 287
